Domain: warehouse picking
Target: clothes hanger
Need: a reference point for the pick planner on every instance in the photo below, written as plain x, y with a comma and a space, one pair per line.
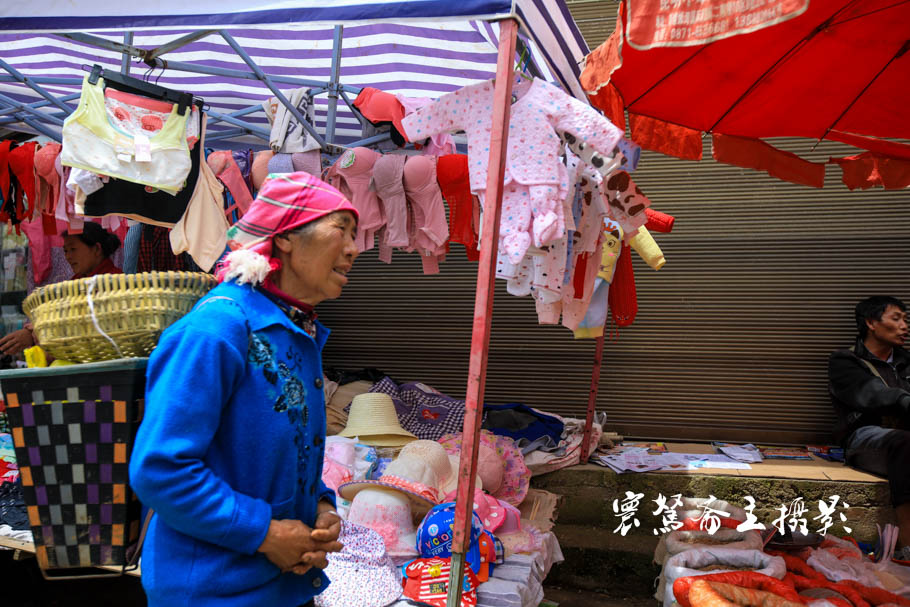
127, 84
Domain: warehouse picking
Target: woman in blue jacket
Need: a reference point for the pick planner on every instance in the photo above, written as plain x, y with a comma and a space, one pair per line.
229, 454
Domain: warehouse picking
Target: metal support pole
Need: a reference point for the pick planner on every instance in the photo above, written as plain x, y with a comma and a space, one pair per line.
227, 134
592, 398
355, 111
483, 307
43, 80
247, 110
175, 44
125, 59
99, 42
182, 66
268, 82
42, 129
32, 85
337, 38
255, 130
370, 140
21, 107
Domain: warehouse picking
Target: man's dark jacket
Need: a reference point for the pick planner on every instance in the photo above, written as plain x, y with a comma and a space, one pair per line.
867, 391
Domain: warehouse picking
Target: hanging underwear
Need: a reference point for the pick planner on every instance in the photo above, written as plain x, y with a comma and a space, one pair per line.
143, 203
91, 141
382, 108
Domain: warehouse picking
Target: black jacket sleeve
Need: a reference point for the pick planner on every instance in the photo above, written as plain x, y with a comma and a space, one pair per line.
853, 384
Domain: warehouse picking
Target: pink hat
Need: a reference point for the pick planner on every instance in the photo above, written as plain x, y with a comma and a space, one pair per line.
284, 202
388, 513
485, 506
362, 573
500, 464
512, 520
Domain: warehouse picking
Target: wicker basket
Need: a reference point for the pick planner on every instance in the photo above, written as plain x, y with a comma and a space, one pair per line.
90, 319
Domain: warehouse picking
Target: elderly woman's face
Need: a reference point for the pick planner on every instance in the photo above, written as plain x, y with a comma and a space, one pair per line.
316, 263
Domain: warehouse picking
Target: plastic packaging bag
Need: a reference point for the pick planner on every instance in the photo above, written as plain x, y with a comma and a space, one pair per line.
692, 563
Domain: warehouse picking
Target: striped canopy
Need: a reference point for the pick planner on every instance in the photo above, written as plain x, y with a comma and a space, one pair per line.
419, 48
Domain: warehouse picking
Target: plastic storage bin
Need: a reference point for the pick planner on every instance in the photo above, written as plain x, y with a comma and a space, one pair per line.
73, 429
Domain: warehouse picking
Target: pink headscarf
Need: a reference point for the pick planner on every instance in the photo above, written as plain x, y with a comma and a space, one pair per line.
285, 201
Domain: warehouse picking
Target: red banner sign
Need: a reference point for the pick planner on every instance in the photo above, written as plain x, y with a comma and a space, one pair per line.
656, 23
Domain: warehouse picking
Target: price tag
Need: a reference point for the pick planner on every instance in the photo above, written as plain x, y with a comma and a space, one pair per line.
123, 145
143, 149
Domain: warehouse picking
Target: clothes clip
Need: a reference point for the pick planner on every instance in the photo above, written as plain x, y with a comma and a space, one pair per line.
95, 74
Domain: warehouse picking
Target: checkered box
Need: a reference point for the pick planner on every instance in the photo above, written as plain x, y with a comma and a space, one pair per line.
73, 429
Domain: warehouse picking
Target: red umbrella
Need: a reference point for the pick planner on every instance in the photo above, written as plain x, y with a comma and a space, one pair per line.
825, 69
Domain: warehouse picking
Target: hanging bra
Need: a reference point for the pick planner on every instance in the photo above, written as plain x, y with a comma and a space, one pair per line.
91, 142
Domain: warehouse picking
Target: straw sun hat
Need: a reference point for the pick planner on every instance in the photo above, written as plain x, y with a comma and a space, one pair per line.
373, 421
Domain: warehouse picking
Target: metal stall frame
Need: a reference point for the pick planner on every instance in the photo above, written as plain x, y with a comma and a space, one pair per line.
29, 114
484, 293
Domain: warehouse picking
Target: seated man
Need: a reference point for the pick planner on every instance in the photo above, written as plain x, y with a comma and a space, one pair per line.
870, 388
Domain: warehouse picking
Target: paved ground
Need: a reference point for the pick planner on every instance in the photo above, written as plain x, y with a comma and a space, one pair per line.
21, 585
568, 597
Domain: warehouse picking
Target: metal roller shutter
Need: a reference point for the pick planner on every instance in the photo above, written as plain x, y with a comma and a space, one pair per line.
732, 335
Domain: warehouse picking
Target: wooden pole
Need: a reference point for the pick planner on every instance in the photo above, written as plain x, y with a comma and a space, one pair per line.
483, 307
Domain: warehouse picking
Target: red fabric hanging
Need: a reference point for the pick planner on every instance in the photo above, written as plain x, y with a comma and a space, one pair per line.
22, 164
666, 138
4, 168
756, 154
454, 183
868, 169
622, 297
659, 222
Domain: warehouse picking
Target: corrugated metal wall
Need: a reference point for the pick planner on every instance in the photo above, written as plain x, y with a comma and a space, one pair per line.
732, 335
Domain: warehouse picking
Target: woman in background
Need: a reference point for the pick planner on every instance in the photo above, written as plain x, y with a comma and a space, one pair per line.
88, 254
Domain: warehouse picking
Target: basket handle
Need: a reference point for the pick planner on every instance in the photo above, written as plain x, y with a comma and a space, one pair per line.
91, 308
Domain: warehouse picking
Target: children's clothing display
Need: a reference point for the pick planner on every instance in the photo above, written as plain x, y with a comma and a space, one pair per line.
532, 208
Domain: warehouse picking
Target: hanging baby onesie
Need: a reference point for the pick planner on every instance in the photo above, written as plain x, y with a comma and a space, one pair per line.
532, 209
93, 143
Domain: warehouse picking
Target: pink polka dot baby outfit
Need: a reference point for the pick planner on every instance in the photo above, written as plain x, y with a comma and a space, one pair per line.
532, 209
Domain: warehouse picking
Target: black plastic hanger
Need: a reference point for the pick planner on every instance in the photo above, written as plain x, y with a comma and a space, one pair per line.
127, 84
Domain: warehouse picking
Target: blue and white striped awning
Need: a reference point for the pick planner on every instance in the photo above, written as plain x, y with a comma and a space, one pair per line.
420, 48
